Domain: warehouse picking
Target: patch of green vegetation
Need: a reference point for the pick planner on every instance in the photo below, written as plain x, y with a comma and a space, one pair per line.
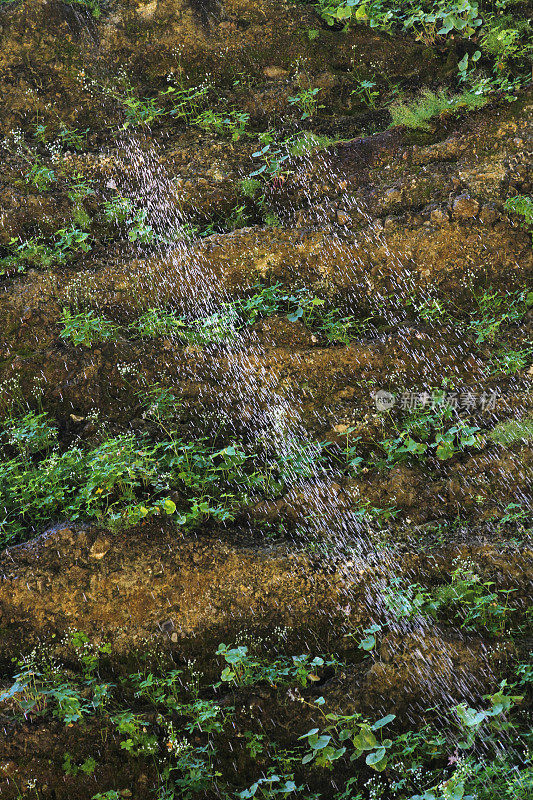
427, 20
38, 174
41, 177
466, 600
307, 142
195, 729
42, 253
223, 325
502, 31
495, 308
509, 361
30, 434
186, 102
273, 156
71, 767
126, 478
306, 101
200, 106
366, 92
513, 430
523, 206
423, 432
518, 516
417, 113
232, 123
506, 37
73, 138
123, 212
79, 188
87, 328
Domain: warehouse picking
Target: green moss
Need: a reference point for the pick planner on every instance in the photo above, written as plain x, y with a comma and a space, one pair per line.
512, 431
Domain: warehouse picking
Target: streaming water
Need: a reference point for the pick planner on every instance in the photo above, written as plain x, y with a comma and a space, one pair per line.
251, 398
255, 402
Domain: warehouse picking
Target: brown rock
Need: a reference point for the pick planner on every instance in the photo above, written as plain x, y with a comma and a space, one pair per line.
465, 207
439, 216
488, 214
343, 218
99, 549
275, 73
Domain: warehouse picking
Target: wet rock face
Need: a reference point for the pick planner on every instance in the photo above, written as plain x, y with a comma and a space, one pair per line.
145, 584
154, 597
416, 221
76, 56
149, 585
402, 242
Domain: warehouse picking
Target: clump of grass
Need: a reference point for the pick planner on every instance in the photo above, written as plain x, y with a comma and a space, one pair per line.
430, 104
512, 430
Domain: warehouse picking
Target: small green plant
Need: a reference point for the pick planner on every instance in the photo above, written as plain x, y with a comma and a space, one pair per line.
514, 513
38, 175
476, 603
73, 137
70, 767
186, 102
157, 322
23, 253
78, 189
139, 230
118, 210
328, 746
71, 240
466, 67
243, 669
86, 328
472, 721
369, 640
430, 308
122, 212
271, 787
231, 123
137, 741
509, 362
273, 157
139, 112
41, 176
250, 186
237, 218
408, 600
367, 93
307, 101
306, 143
506, 39
37, 252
